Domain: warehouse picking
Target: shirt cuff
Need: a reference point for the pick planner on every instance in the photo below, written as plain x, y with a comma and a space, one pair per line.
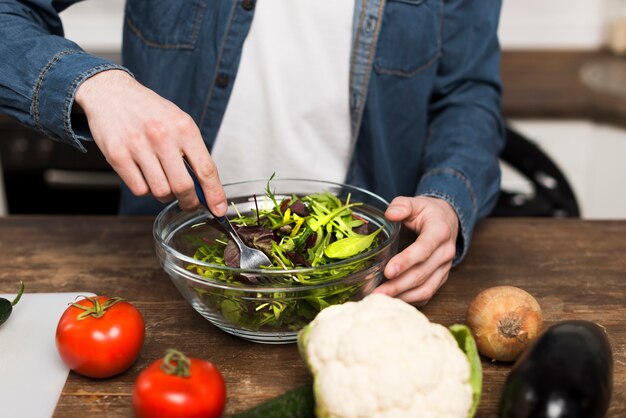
54, 91
452, 186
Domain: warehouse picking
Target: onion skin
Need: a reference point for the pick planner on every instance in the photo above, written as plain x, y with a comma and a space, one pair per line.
504, 320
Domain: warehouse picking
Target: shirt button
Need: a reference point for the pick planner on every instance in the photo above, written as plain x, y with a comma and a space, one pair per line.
222, 80
248, 4
370, 24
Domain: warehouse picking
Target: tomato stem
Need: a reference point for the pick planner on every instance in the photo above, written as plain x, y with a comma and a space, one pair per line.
98, 309
176, 363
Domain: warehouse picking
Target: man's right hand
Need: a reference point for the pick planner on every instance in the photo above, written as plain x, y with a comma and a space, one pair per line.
145, 137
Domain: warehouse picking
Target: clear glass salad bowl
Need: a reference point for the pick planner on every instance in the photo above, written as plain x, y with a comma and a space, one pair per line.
274, 308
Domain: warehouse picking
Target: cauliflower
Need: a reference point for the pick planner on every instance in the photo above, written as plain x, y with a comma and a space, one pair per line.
382, 358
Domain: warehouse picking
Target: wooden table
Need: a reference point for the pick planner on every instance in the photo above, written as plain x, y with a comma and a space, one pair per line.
576, 269
548, 85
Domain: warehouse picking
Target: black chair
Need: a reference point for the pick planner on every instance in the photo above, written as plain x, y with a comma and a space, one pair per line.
553, 195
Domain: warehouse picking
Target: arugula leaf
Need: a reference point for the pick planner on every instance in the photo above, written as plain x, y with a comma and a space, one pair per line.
350, 246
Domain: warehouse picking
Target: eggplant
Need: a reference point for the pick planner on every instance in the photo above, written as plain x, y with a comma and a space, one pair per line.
567, 372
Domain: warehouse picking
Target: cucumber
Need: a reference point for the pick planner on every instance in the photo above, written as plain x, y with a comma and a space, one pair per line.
296, 403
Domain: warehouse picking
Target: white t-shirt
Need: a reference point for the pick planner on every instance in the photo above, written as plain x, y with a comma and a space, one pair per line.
289, 109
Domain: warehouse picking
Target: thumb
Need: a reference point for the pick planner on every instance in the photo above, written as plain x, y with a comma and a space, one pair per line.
399, 209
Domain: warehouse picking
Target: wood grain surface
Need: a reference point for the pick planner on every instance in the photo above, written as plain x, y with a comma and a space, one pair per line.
576, 269
548, 85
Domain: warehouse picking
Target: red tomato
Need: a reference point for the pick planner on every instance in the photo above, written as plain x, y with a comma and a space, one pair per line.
101, 338
162, 390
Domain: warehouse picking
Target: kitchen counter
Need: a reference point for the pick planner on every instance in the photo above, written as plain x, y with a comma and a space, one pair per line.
548, 85
576, 270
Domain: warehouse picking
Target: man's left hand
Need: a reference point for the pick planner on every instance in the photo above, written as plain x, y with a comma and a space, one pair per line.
416, 273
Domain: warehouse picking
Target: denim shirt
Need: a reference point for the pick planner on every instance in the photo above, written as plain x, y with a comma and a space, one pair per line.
424, 86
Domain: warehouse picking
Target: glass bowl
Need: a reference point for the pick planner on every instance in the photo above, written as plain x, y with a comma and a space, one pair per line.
269, 313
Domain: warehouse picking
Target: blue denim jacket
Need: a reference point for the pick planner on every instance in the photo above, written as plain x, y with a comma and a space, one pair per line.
424, 86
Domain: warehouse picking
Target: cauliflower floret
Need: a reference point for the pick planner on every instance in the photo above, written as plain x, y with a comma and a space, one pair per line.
382, 358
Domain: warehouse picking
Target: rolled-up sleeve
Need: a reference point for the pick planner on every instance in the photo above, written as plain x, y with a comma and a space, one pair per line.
40, 70
466, 133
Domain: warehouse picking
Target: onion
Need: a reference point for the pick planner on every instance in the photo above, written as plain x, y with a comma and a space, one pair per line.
504, 320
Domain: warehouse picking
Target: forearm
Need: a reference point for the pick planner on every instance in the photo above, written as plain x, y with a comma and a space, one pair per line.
466, 129
40, 70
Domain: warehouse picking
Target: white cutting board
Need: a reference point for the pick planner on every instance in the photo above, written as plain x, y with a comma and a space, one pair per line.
32, 374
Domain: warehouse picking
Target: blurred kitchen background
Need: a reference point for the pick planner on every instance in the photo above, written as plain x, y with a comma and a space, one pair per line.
564, 73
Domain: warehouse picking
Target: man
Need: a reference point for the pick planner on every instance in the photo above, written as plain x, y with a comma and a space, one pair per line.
399, 97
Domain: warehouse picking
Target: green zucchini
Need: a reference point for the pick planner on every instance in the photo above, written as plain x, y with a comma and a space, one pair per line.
6, 306
296, 403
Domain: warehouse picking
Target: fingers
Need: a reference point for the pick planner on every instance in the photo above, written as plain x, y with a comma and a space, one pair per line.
433, 236
149, 162
175, 176
399, 209
418, 271
419, 296
129, 173
417, 274
415, 286
164, 169
206, 172
144, 137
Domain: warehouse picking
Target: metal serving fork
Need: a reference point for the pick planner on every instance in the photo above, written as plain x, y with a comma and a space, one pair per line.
250, 258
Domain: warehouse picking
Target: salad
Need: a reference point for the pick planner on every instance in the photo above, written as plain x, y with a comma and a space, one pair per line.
300, 234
